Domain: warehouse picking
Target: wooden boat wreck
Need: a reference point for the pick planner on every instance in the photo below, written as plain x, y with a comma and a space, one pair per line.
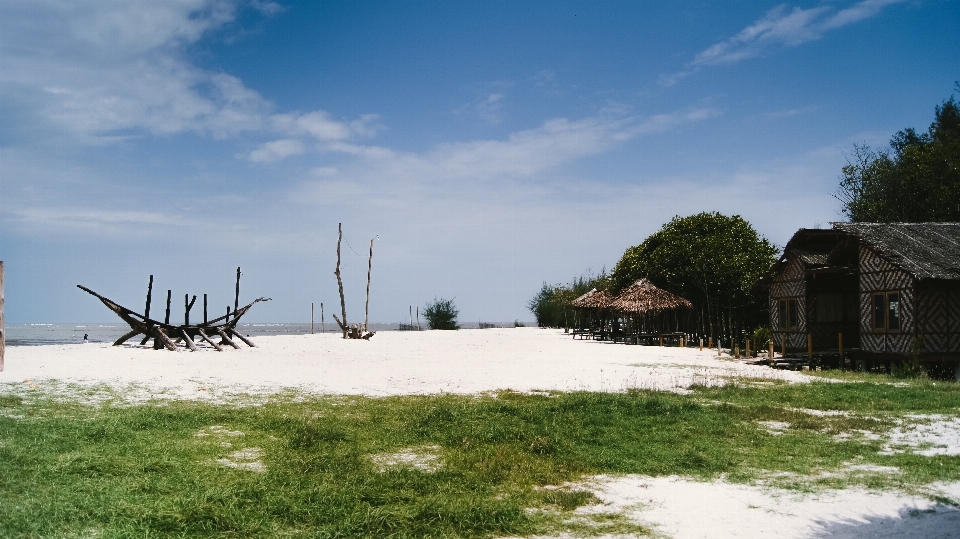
167, 335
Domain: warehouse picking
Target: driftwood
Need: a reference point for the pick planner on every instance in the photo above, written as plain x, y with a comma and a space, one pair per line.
161, 332
355, 331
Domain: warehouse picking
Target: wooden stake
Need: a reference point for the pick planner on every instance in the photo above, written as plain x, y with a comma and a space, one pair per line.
343, 304
225, 339
709, 342
810, 345
146, 311
186, 338
770, 352
240, 336
210, 342
204, 308
840, 344
186, 308
166, 319
747, 353
366, 315
323, 326
701, 344
311, 318
3, 337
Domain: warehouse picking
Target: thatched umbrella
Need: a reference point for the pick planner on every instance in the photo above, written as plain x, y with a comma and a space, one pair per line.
594, 300
651, 306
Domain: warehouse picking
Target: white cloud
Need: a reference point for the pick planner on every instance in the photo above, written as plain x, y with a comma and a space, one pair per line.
278, 149
780, 26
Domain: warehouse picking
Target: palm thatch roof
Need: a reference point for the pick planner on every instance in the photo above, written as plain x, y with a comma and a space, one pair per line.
925, 250
642, 296
594, 299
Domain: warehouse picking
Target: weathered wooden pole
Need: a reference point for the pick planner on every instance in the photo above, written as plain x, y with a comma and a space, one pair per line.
343, 304
323, 327
146, 311
366, 315
840, 346
810, 345
204, 309
187, 305
311, 318
783, 345
166, 319
3, 337
236, 297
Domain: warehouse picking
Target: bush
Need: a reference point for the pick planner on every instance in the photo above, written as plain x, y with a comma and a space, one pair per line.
441, 314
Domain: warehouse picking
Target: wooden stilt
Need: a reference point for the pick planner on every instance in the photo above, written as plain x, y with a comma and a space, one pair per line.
146, 311
240, 336
186, 338
236, 297
343, 303
210, 342
225, 339
159, 334
166, 319
366, 316
204, 308
128, 335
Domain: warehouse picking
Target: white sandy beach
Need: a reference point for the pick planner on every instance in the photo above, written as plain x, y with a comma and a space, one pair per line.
521, 359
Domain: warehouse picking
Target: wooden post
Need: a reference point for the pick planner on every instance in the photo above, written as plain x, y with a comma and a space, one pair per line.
146, 311
810, 345
186, 308
166, 319
661, 340
709, 342
747, 353
840, 346
204, 309
323, 327
236, 297
736, 351
3, 337
311, 318
366, 315
770, 351
701, 344
343, 304
418, 318
783, 345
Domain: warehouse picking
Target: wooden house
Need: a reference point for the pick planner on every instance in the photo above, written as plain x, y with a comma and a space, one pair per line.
881, 291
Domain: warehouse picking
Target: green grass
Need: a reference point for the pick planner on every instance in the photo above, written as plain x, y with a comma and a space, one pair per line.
77, 470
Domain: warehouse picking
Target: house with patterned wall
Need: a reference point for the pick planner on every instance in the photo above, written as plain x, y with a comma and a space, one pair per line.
883, 290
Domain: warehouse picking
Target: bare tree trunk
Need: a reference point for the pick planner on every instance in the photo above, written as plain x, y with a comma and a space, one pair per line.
366, 316
343, 304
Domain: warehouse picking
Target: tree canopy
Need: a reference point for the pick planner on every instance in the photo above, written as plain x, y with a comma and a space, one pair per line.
442, 314
916, 180
712, 260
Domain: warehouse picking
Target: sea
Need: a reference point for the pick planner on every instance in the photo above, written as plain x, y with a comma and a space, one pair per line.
45, 334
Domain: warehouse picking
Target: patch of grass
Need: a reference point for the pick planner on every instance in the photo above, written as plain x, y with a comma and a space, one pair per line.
303, 466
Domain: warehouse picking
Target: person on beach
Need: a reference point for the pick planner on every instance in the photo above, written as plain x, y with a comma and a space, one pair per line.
85, 338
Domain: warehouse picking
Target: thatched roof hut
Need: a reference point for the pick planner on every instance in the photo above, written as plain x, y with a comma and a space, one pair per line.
642, 297
594, 299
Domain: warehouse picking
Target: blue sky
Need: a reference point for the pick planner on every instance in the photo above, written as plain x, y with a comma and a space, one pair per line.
490, 146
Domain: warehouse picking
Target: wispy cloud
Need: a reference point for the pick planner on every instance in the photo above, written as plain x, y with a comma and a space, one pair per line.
779, 27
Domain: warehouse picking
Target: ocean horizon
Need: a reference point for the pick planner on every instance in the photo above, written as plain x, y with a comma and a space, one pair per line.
40, 334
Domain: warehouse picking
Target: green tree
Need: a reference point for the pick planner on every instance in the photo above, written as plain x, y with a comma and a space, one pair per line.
916, 180
441, 314
551, 305
712, 260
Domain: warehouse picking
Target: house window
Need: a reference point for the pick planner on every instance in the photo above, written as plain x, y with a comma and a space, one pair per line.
886, 311
789, 314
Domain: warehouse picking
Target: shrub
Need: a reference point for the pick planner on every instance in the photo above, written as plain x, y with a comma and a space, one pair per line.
441, 314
